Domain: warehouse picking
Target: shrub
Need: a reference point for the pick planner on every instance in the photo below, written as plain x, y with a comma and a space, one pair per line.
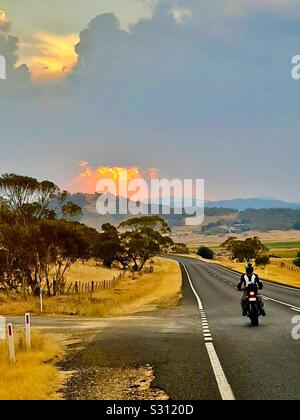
206, 253
262, 260
297, 260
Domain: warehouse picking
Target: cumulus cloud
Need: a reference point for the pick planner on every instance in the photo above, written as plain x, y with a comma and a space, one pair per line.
49, 56
189, 99
283, 8
9, 50
181, 14
4, 23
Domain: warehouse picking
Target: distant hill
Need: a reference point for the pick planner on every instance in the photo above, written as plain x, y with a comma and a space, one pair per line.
229, 216
242, 204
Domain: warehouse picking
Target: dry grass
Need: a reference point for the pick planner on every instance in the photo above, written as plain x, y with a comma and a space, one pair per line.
271, 272
135, 293
90, 271
191, 236
33, 376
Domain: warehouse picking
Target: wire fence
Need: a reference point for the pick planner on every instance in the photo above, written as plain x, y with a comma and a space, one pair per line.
286, 265
84, 288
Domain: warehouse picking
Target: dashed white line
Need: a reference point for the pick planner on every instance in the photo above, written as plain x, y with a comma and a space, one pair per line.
223, 384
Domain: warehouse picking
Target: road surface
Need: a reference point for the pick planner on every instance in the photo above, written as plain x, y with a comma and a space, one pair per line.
202, 349
258, 363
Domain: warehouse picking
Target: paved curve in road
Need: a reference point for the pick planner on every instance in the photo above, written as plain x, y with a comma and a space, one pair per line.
259, 363
203, 348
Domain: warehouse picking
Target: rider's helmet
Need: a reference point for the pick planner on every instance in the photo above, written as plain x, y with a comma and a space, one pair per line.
250, 269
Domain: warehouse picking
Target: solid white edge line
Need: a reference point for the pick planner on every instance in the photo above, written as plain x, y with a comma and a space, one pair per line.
223, 384
280, 302
193, 289
224, 387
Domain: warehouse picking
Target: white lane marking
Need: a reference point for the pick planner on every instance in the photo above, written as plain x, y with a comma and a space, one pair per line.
267, 298
193, 289
224, 387
295, 309
223, 384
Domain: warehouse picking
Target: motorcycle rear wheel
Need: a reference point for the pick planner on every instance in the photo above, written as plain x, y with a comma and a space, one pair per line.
254, 315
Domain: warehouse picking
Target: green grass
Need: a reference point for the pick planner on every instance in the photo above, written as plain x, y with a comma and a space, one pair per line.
283, 245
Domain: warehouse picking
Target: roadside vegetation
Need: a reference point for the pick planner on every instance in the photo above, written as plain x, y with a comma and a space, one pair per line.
275, 272
269, 264
297, 260
33, 376
157, 287
43, 248
206, 253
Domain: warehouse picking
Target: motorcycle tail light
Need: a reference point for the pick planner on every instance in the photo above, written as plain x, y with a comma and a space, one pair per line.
252, 293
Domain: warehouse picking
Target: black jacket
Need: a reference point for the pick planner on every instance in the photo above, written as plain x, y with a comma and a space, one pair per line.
242, 284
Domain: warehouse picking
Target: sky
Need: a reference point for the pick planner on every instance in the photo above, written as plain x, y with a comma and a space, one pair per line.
192, 88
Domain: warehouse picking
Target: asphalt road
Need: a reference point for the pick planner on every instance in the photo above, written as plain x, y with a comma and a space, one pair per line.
259, 363
203, 349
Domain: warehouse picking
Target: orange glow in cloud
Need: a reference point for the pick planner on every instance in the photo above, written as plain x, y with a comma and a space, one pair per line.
2, 17
50, 57
116, 173
87, 180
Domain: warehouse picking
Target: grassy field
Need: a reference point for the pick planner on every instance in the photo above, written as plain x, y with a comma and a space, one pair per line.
283, 245
33, 376
134, 293
283, 249
192, 236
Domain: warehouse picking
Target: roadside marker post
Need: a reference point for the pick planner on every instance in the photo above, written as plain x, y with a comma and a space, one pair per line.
2, 328
11, 343
27, 331
41, 294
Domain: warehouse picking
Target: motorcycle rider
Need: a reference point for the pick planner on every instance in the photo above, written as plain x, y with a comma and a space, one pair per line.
250, 279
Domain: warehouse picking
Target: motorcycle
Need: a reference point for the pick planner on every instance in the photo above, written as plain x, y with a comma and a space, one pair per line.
253, 305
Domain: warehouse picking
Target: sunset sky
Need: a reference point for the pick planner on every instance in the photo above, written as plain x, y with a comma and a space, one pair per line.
49, 30
194, 88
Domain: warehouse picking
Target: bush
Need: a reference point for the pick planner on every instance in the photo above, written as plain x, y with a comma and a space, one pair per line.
206, 253
262, 260
297, 260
